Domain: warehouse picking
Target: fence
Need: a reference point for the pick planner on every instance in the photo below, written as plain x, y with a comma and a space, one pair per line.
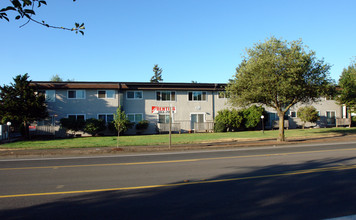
45, 130
186, 127
163, 127
343, 122
204, 127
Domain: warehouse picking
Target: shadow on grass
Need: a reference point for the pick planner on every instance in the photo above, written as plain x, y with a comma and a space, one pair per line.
315, 195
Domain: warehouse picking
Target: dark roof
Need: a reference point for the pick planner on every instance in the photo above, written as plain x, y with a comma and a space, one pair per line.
128, 85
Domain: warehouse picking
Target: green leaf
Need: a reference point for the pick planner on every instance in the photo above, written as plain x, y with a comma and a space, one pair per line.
18, 17
82, 32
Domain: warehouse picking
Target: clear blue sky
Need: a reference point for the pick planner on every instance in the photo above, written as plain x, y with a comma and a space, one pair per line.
200, 40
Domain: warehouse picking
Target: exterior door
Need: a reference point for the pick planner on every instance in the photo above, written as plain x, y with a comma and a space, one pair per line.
330, 118
196, 118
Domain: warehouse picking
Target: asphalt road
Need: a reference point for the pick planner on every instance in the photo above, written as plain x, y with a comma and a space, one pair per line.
286, 182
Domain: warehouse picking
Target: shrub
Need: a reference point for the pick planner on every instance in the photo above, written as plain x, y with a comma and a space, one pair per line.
94, 126
72, 124
142, 125
232, 119
219, 127
308, 114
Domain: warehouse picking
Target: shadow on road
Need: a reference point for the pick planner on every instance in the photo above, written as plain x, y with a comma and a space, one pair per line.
316, 195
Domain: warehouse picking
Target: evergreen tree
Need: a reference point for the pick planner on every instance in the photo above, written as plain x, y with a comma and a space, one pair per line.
157, 77
20, 102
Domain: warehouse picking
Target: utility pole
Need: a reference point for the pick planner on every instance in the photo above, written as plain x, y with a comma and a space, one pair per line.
170, 126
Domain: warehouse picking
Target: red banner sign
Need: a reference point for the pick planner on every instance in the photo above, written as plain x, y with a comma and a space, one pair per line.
157, 109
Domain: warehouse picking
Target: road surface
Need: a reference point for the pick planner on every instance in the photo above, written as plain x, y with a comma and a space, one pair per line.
286, 182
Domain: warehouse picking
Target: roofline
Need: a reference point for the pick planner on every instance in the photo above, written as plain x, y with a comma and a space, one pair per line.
128, 85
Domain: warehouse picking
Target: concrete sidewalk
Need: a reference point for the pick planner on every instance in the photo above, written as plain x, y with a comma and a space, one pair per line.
20, 153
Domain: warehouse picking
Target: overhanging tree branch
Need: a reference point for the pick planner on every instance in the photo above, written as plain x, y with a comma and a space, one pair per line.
25, 10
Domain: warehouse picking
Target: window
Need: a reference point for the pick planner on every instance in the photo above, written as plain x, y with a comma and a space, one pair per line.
163, 119
106, 117
77, 116
106, 94
197, 96
50, 95
135, 117
76, 94
134, 95
165, 96
293, 114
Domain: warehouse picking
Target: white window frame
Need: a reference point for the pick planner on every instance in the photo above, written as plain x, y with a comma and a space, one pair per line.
170, 96
106, 93
206, 96
106, 116
76, 96
296, 114
135, 116
134, 91
76, 116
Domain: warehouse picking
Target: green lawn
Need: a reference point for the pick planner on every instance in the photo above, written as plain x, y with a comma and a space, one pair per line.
145, 140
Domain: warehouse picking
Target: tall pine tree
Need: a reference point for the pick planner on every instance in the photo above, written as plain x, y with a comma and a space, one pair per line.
157, 77
20, 104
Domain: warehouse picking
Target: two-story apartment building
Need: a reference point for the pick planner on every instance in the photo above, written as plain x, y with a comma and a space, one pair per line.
193, 105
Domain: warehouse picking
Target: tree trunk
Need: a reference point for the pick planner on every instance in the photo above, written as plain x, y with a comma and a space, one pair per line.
27, 132
350, 117
281, 136
118, 135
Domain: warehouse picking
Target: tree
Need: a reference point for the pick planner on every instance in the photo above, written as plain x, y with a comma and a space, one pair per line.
308, 114
347, 92
121, 122
157, 77
56, 78
20, 102
278, 74
25, 9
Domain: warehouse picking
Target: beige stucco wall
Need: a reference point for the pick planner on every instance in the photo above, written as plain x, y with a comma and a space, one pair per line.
91, 106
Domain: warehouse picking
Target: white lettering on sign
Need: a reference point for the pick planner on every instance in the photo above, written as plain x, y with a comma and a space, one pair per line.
157, 109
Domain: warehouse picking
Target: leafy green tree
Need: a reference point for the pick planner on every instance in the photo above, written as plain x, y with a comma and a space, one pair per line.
278, 74
252, 116
20, 104
121, 122
308, 114
157, 77
347, 92
25, 9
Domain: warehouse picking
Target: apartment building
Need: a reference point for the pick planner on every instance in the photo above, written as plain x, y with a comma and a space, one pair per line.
193, 105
